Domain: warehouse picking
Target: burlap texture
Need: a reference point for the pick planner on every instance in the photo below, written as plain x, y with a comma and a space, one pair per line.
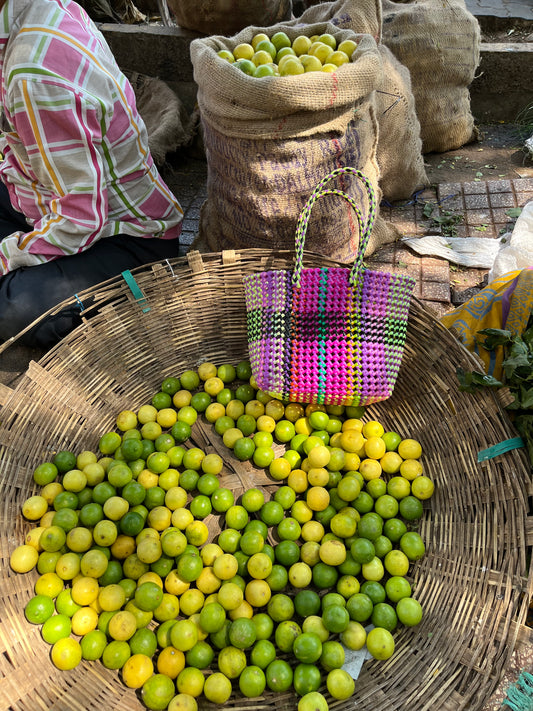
399, 153
163, 113
226, 17
360, 16
439, 42
270, 141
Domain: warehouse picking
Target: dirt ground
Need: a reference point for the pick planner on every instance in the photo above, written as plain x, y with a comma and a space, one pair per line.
499, 153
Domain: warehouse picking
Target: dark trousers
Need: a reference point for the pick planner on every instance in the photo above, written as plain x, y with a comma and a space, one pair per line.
28, 292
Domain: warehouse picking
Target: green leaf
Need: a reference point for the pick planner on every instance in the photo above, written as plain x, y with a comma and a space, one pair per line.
524, 425
474, 380
428, 209
527, 399
495, 337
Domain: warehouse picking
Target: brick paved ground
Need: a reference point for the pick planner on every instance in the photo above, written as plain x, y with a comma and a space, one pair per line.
482, 206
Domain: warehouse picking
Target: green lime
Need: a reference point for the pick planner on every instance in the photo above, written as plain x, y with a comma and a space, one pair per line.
363, 503
307, 647
131, 524
397, 587
370, 526
65, 500
279, 675
375, 591
66, 518
271, 513
335, 618
162, 400
170, 385
307, 602
244, 449
148, 596
157, 691
252, 500
262, 653
222, 499
93, 644
252, 681
412, 544
39, 609
411, 508
307, 678
200, 506
287, 552
200, 656
207, 484
264, 625
131, 449
212, 617
243, 370
56, 627
409, 611
384, 615
324, 575
180, 431
359, 607
65, 460
65, 605
394, 528
362, 550
113, 573
45, 473
189, 479
278, 578
285, 634
242, 633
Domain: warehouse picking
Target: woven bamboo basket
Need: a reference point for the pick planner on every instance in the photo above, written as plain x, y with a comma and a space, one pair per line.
473, 581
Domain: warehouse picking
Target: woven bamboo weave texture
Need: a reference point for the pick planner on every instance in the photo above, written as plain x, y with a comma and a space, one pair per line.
473, 581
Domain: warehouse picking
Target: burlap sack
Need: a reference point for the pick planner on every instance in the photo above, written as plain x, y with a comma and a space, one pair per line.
226, 17
439, 42
360, 16
399, 151
163, 113
270, 141
399, 154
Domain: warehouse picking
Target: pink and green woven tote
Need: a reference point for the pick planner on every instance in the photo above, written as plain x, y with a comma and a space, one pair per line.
328, 335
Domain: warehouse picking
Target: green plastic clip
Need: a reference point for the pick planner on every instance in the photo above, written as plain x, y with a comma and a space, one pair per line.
505, 446
140, 298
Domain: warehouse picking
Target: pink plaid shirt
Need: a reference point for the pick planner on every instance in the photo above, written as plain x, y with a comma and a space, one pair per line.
76, 159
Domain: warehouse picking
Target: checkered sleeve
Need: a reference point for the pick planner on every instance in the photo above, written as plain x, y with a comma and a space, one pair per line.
59, 133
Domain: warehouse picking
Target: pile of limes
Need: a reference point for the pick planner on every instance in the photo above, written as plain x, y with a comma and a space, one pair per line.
266, 56
129, 574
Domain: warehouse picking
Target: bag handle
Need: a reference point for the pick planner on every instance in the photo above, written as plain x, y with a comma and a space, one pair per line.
364, 230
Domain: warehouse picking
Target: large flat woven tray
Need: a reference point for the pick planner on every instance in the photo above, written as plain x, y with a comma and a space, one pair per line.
473, 581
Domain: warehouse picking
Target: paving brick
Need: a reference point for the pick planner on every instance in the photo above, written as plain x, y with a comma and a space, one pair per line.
435, 291
523, 185
483, 203
474, 188
478, 217
435, 270
476, 202
502, 199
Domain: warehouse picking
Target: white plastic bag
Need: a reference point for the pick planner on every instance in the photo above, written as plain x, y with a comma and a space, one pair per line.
517, 251
529, 145
466, 251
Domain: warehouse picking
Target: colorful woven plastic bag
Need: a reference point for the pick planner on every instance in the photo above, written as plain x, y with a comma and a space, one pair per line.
328, 335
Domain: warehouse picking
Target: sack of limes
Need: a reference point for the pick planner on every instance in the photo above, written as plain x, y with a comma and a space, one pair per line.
280, 108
